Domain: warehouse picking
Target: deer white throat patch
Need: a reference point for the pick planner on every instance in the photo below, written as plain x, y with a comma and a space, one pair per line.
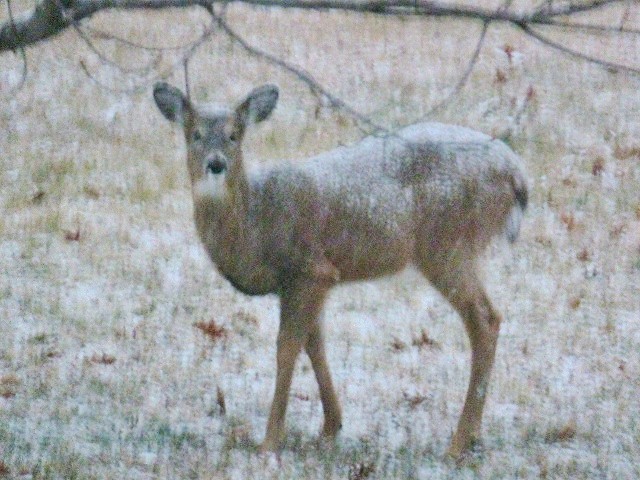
211, 187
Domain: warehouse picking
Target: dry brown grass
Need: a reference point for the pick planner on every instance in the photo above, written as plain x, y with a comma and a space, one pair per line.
105, 170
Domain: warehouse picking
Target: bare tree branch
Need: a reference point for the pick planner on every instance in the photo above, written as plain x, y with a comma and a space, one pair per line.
106, 60
465, 75
104, 86
571, 8
48, 19
23, 54
146, 76
576, 54
313, 84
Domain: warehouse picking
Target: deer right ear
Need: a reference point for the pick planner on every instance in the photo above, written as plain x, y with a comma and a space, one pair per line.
171, 102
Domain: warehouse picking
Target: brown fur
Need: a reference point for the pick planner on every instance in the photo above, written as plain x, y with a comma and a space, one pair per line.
432, 196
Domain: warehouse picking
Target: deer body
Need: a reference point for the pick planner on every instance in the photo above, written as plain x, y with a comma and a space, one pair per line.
434, 196
368, 211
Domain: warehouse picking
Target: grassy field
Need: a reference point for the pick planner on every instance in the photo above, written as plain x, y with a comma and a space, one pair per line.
124, 355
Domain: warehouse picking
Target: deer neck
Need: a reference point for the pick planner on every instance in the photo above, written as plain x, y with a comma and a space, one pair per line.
222, 219
238, 186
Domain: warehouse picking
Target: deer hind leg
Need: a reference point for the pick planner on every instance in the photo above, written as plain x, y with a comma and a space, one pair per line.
300, 307
461, 286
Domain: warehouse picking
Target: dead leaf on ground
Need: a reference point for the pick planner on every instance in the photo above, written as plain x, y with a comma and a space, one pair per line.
103, 359
91, 192
212, 330
361, 470
617, 230
569, 220
500, 77
414, 400
563, 433
398, 345
543, 240
575, 302
220, 401
424, 340
38, 197
72, 235
584, 255
625, 152
9, 386
597, 167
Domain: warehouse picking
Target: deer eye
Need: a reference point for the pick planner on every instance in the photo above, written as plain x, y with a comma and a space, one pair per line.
196, 136
233, 136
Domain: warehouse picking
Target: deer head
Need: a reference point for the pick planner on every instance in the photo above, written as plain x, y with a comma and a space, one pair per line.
214, 139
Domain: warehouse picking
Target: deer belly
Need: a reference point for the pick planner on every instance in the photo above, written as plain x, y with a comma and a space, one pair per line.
359, 255
250, 278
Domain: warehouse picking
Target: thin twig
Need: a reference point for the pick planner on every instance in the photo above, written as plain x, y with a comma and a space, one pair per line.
569, 8
49, 18
106, 60
135, 89
75, 24
314, 85
464, 77
625, 16
576, 54
142, 86
602, 29
187, 86
102, 35
23, 53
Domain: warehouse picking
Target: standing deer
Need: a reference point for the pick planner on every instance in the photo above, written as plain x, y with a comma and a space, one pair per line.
432, 195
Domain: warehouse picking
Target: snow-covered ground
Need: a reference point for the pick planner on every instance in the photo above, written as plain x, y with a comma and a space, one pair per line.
102, 371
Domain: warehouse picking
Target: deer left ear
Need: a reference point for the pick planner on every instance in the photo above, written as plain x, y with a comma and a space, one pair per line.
257, 106
171, 102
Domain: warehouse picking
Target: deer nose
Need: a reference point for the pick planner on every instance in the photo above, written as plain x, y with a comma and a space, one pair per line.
216, 165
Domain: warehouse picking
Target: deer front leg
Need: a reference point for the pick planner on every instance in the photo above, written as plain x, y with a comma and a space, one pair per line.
288, 348
300, 306
482, 324
330, 405
460, 284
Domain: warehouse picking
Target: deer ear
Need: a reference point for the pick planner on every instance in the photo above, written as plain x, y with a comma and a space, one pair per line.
171, 102
258, 105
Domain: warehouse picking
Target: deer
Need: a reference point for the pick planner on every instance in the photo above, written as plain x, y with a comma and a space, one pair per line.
432, 196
